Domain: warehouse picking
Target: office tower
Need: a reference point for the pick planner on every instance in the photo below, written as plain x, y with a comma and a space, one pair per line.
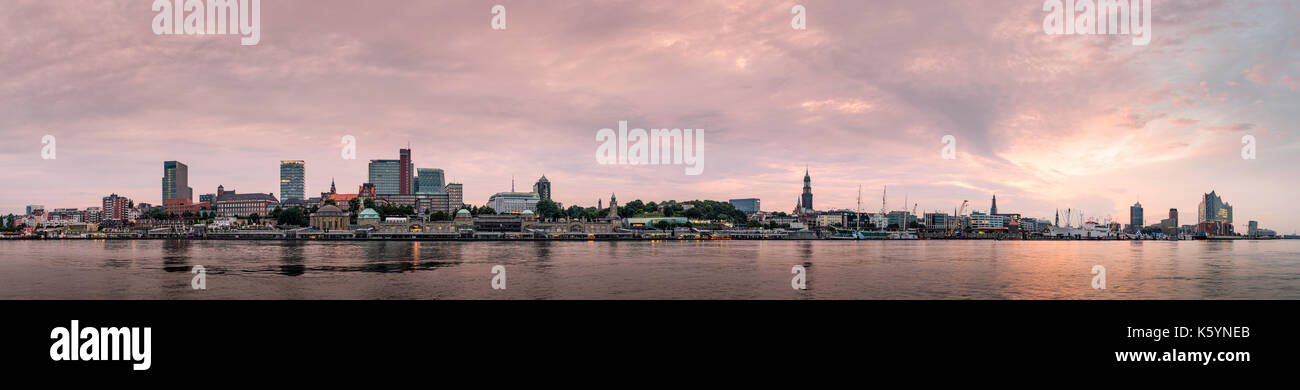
993, 209
429, 181
405, 172
293, 180
543, 188
176, 181
746, 205
386, 176
455, 192
1135, 215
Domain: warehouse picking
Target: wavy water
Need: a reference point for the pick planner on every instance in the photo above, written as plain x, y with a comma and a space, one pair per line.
155, 269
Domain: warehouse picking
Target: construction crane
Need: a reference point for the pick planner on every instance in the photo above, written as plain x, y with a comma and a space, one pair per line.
956, 219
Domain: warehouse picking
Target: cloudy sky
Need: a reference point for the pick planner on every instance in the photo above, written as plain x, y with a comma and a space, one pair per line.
862, 97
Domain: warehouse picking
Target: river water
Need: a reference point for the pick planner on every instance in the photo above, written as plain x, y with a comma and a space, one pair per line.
935, 269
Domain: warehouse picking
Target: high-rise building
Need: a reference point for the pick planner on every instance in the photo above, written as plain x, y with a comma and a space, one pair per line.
1173, 217
746, 205
806, 199
1135, 215
176, 181
455, 194
386, 176
543, 188
34, 207
293, 180
405, 172
429, 181
115, 208
1213, 209
993, 209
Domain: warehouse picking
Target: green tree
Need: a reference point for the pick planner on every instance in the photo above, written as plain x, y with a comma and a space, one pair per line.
292, 216
486, 210
573, 212
548, 210
354, 205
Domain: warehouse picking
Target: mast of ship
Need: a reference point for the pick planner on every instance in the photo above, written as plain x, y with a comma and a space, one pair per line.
884, 194
857, 217
902, 223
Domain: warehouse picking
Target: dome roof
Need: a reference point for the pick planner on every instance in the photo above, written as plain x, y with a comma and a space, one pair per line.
368, 213
330, 211
527, 212
462, 211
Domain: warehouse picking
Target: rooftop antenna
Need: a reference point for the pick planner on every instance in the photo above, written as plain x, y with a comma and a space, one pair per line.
512, 183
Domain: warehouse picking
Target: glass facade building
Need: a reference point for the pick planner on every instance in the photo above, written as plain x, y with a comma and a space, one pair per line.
176, 181
429, 181
293, 180
386, 175
747, 205
1214, 209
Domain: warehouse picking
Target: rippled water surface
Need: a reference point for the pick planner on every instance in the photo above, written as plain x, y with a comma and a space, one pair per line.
154, 269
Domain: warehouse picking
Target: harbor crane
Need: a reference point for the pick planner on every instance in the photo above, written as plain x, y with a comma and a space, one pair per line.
956, 219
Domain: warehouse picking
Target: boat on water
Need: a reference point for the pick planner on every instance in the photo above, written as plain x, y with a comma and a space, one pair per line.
1090, 230
861, 235
858, 234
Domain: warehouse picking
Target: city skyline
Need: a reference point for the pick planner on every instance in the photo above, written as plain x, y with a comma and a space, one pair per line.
1162, 123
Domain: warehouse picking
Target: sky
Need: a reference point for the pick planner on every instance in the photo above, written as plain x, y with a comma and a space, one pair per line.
862, 97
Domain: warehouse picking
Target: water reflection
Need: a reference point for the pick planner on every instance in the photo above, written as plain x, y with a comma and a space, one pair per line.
291, 259
176, 255
652, 269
